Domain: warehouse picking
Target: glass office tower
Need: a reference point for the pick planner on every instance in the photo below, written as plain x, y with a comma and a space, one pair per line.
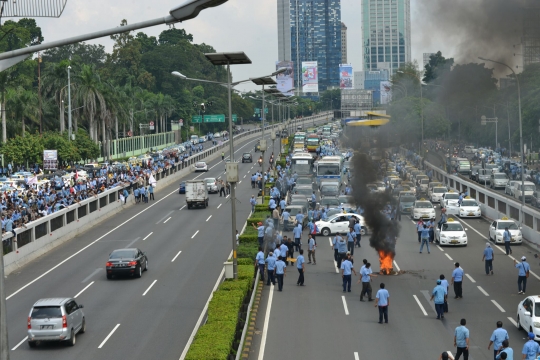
386, 33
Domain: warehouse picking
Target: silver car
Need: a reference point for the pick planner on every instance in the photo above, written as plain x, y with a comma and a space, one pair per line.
55, 319
498, 180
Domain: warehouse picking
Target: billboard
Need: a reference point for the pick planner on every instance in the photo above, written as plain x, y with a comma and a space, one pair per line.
285, 80
50, 159
310, 77
345, 76
386, 92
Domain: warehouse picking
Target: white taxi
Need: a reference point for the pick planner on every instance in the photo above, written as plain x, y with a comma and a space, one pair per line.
451, 233
201, 166
339, 223
437, 193
528, 315
496, 230
469, 208
422, 209
451, 196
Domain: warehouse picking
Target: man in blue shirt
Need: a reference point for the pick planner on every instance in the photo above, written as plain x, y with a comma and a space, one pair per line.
281, 271
341, 244
461, 340
382, 300
497, 338
523, 271
311, 249
439, 296
457, 281
365, 276
297, 233
313, 200
530, 349
351, 237
300, 266
346, 268
425, 239
136, 194
507, 237
260, 233
506, 350
253, 202
488, 259
270, 267
259, 261
282, 204
357, 232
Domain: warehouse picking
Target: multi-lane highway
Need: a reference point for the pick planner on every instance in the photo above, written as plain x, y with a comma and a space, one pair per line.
319, 321
151, 317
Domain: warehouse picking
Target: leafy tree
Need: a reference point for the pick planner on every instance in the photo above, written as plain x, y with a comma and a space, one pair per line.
86, 148
174, 37
436, 66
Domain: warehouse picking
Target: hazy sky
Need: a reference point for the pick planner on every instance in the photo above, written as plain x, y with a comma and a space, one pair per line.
237, 25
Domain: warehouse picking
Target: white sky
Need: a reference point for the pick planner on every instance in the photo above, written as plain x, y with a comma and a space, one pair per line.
237, 25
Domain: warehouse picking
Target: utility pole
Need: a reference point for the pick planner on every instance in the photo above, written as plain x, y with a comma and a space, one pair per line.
69, 102
4, 345
39, 94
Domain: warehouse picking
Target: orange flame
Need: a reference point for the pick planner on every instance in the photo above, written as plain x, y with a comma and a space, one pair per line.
386, 259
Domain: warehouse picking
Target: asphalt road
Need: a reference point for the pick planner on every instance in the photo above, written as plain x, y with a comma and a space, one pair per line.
319, 321
154, 316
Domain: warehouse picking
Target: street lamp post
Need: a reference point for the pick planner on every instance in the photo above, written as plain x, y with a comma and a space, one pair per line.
520, 132
69, 102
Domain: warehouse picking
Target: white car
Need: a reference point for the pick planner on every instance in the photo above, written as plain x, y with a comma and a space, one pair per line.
469, 208
496, 230
451, 233
451, 196
217, 135
422, 209
437, 193
201, 166
528, 315
339, 223
380, 186
211, 185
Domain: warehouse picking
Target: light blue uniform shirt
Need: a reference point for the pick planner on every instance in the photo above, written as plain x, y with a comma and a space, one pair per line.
283, 249
300, 217
280, 267
438, 295
260, 231
507, 236
342, 246
285, 215
357, 228
383, 297
311, 244
299, 261
523, 267
488, 253
425, 233
457, 274
365, 274
260, 258
346, 266
351, 236
282, 204
530, 349
297, 232
271, 261
462, 334
498, 336
509, 354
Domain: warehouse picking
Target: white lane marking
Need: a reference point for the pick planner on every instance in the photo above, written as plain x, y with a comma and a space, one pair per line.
513, 321
396, 265
482, 291
245, 175
266, 321
91, 275
80, 292
167, 220
209, 218
497, 305
147, 290
500, 248
473, 229
19, 344
345, 305
87, 246
226, 197
182, 207
356, 357
440, 248
108, 336
147, 236
335, 263
470, 278
448, 256
163, 218
420, 304
511, 257
196, 232
533, 274
133, 242
174, 258
219, 206
239, 183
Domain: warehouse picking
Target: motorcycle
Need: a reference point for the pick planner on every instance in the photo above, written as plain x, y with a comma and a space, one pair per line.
260, 162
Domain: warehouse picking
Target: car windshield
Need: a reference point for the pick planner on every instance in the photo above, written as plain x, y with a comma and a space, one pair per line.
247, 155
424, 181
293, 211
210, 181
407, 199
469, 203
452, 227
423, 205
328, 169
451, 196
500, 176
329, 201
329, 188
510, 224
306, 192
122, 254
303, 181
46, 312
439, 190
200, 164
529, 187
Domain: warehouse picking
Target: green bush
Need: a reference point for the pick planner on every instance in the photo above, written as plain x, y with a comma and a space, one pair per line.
261, 208
255, 221
250, 231
249, 239
261, 214
246, 272
248, 250
245, 261
213, 341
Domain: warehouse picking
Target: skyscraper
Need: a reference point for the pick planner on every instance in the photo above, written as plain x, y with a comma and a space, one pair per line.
343, 44
531, 33
310, 30
386, 33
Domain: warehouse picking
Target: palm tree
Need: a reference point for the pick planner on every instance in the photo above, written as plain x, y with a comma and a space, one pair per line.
55, 85
89, 92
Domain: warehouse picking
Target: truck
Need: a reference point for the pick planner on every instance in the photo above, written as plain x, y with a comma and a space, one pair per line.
196, 193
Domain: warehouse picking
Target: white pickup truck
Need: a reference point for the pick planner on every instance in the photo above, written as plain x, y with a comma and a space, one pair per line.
196, 193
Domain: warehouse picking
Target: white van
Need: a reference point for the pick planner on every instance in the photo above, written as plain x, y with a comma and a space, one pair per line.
527, 189
194, 139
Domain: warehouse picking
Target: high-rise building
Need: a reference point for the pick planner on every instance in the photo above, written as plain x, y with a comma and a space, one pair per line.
531, 33
426, 58
371, 80
343, 44
310, 30
386, 33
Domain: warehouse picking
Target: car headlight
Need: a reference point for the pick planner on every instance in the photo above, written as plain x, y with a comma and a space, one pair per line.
499, 233
519, 233
443, 236
461, 210
464, 235
536, 324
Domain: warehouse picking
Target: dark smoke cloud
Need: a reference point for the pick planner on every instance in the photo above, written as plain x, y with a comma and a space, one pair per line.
383, 232
486, 28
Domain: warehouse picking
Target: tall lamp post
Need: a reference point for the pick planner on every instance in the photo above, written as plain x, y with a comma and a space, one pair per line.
520, 131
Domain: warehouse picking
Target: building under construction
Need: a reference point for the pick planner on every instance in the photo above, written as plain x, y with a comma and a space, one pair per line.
531, 32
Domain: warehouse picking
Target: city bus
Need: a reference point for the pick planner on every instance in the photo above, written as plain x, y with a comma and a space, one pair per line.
327, 130
312, 142
329, 167
302, 164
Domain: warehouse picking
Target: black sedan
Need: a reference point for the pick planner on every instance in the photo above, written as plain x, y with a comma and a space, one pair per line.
130, 262
246, 157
